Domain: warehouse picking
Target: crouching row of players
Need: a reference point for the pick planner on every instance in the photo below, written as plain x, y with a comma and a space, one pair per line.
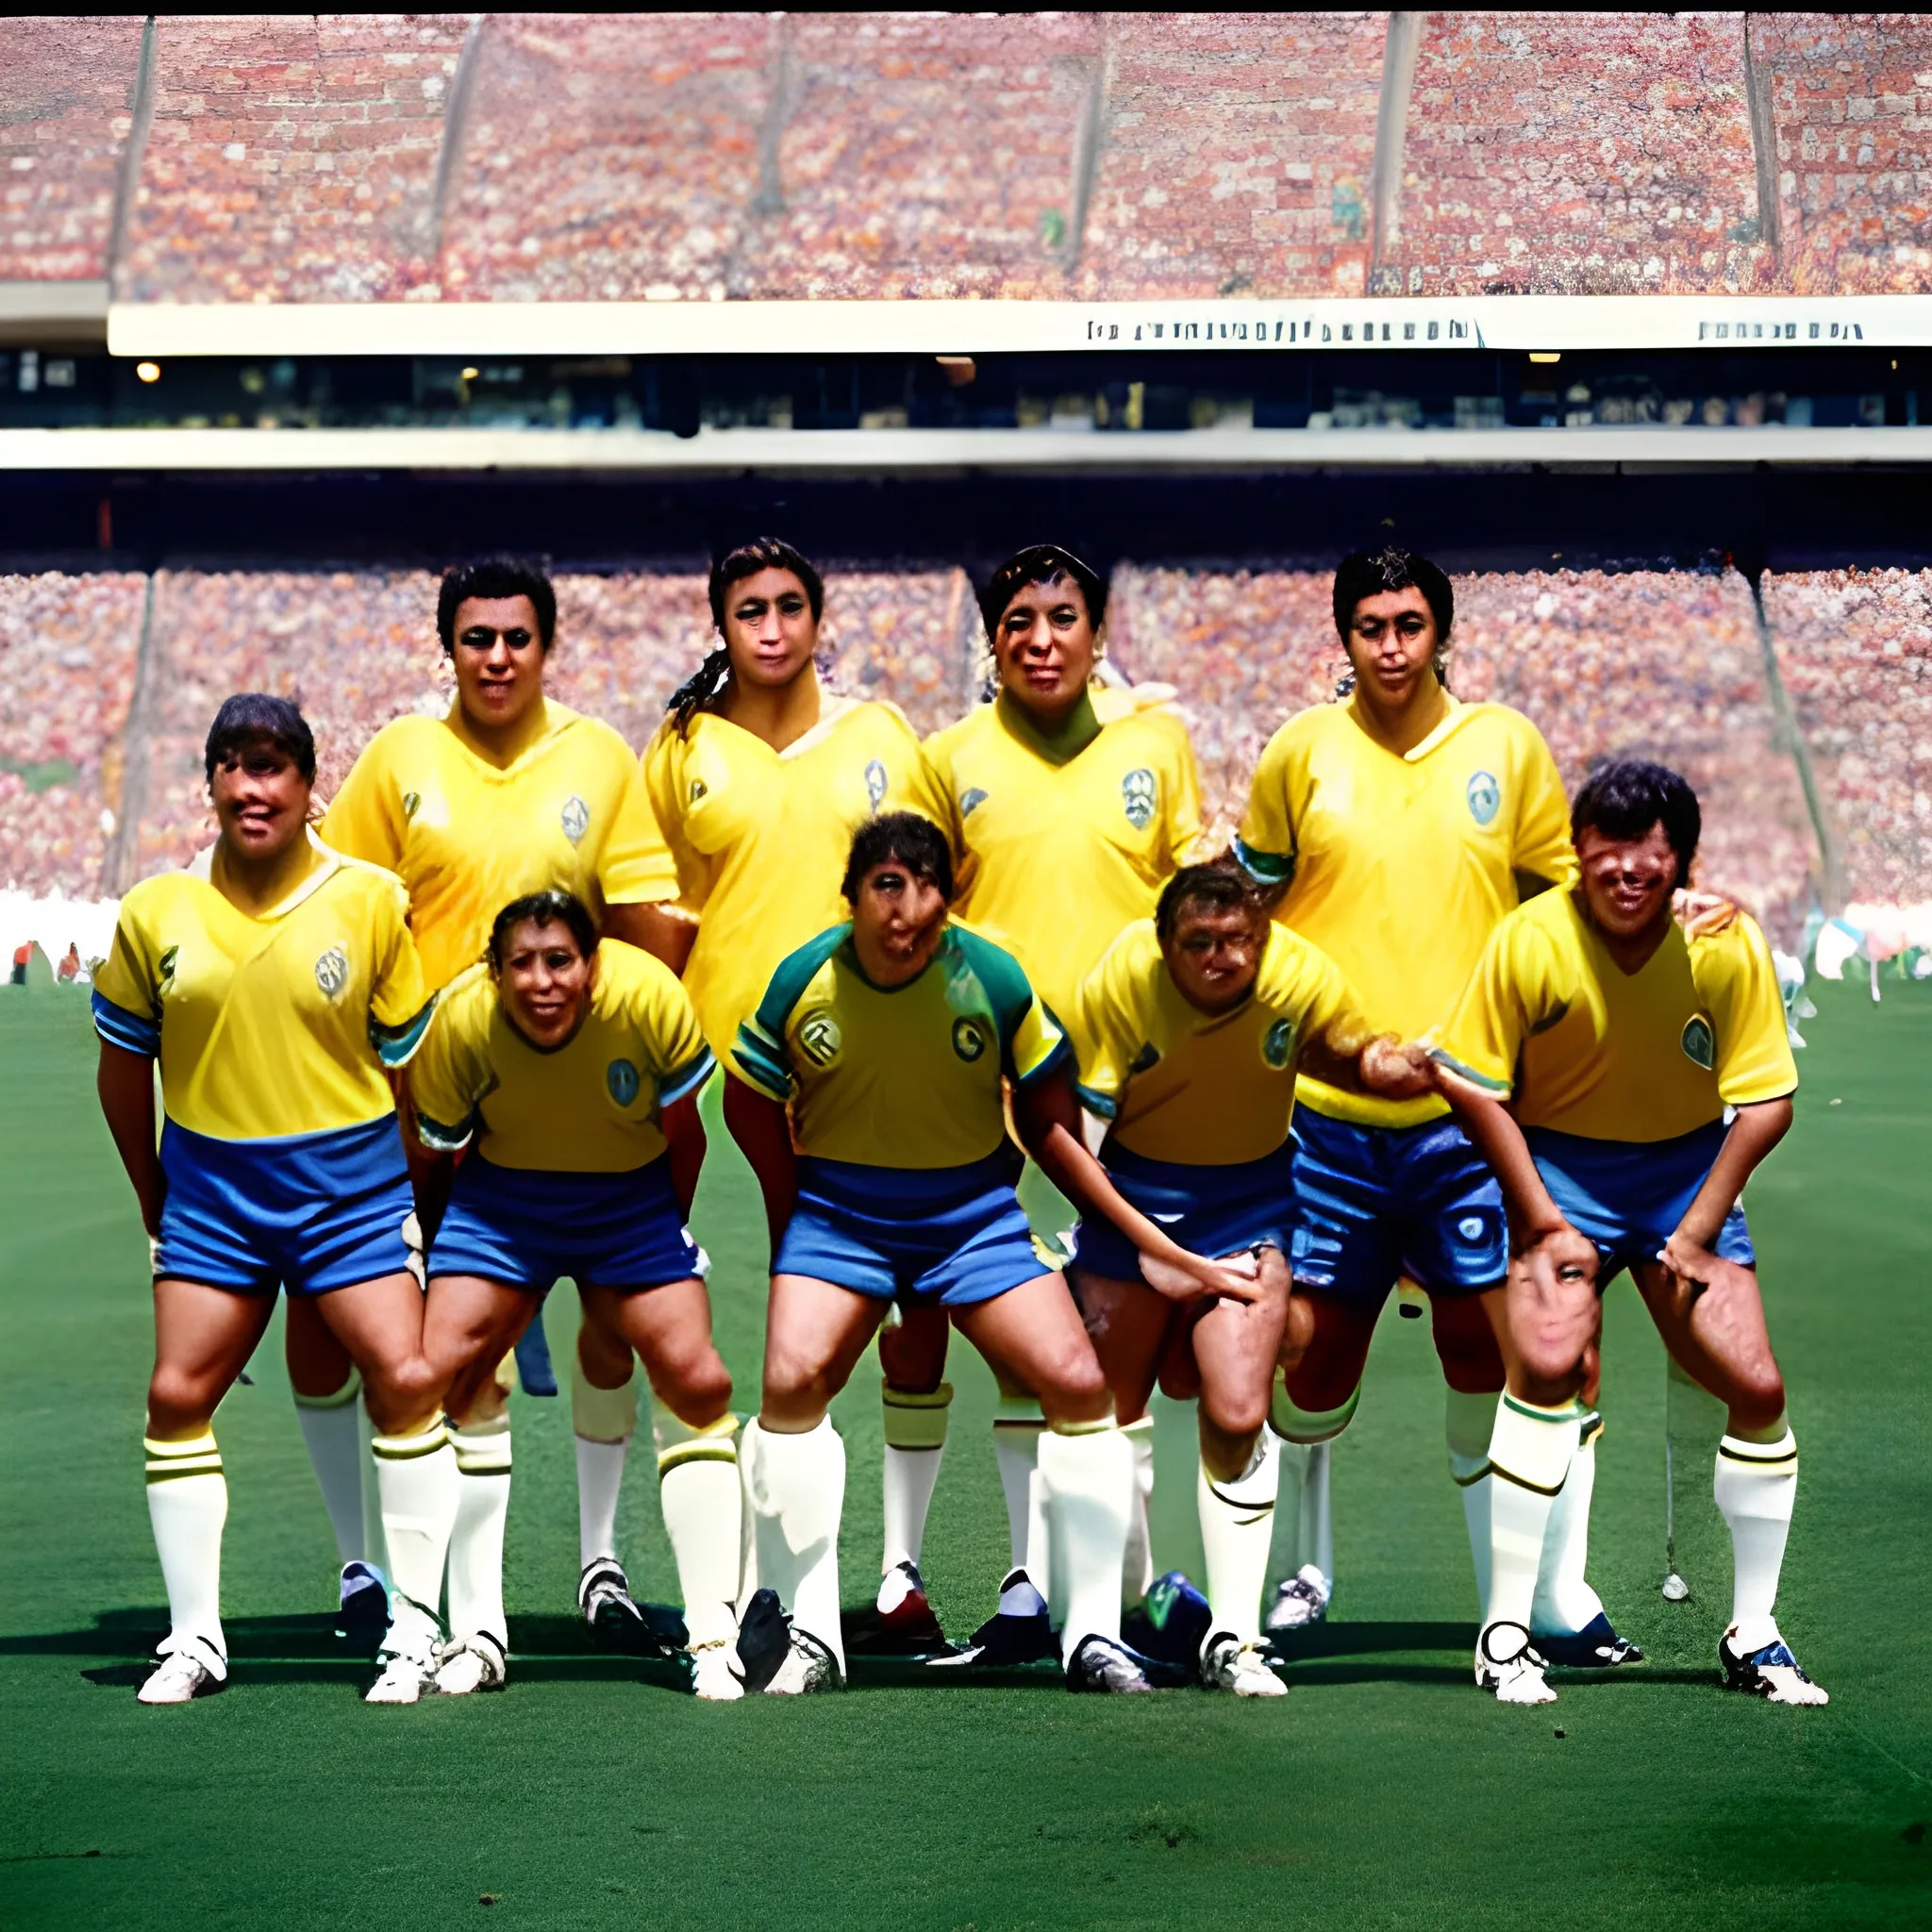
557, 1082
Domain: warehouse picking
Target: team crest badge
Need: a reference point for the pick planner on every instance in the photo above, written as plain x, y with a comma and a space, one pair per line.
970, 801
621, 1079
412, 804
1700, 1043
332, 971
575, 819
1277, 1045
819, 1037
969, 1040
1484, 798
875, 783
1138, 794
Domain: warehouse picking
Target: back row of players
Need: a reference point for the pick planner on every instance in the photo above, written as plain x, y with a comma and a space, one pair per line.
561, 948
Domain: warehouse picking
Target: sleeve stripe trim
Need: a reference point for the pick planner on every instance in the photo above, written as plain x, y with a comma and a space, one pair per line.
1105, 1105
687, 1079
395, 1046
433, 1134
1056, 1059
1269, 868
128, 1032
1499, 1088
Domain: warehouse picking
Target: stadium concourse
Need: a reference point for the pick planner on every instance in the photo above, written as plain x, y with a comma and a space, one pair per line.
106, 682
524, 158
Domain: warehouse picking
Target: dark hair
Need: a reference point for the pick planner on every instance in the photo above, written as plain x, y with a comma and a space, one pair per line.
494, 577
917, 844
1039, 563
708, 684
1625, 797
251, 716
1220, 884
551, 908
1365, 574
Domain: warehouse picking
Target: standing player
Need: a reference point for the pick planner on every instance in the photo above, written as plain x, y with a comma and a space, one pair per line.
1398, 828
1190, 1033
510, 793
888, 1041
1070, 819
574, 1067
273, 993
1620, 1046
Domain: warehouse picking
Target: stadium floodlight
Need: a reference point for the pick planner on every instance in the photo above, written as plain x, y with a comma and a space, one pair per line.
148, 372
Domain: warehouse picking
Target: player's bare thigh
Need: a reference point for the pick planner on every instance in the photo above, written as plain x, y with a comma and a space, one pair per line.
203, 1338
1034, 1334
1129, 1326
1718, 1337
469, 1325
1235, 1345
815, 1332
670, 1327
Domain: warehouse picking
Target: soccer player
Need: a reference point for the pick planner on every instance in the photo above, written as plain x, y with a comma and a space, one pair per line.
1073, 807
1398, 828
876, 1061
508, 792
573, 1068
1189, 1035
275, 993
1620, 1047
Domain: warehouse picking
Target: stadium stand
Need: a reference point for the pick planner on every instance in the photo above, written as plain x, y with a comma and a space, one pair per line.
1100, 154
65, 93
68, 651
1855, 652
1578, 154
291, 158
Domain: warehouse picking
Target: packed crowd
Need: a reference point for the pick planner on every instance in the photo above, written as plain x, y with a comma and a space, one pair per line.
1667, 663
706, 155
1854, 650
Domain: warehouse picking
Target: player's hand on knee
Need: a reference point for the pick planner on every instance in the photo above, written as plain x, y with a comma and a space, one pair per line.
1185, 1277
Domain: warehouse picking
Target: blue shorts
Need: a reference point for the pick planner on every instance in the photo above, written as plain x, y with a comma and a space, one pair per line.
1209, 1210
306, 1212
1628, 1196
950, 1235
1375, 1203
529, 1227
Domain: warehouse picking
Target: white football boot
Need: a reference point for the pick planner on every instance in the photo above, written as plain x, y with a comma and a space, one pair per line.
185, 1668
711, 1675
478, 1662
1510, 1665
1227, 1664
406, 1664
1770, 1672
1301, 1601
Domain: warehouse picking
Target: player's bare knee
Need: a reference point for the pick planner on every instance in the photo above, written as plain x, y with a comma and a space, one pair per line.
177, 1402
913, 1357
693, 1383
1758, 1392
1073, 1388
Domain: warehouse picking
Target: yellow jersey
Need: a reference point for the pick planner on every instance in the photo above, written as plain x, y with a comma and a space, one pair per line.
466, 836
907, 1077
760, 838
594, 1105
1057, 859
274, 1024
1398, 867
1588, 1049
1202, 1090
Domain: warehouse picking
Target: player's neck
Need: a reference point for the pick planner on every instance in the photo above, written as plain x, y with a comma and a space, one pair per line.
1054, 738
256, 885
1402, 728
780, 714
1631, 952
503, 745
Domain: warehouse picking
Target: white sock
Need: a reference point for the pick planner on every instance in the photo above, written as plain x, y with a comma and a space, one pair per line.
1304, 1465
915, 1443
1017, 1425
374, 1552
1137, 1567
796, 1486
332, 1427
417, 1477
1530, 1450
187, 1504
475, 1545
1236, 1528
1089, 1478
1564, 1600
1468, 1422
602, 1421
702, 1498
1756, 1486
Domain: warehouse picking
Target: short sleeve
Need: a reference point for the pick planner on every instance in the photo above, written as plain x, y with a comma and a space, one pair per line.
127, 991
400, 1002
1542, 846
1105, 1031
449, 1073
1504, 1003
1266, 843
682, 1058
1739, 978
364, 818
1035, 1046
635, 866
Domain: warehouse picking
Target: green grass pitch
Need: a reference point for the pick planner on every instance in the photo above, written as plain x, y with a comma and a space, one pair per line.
1383, 1792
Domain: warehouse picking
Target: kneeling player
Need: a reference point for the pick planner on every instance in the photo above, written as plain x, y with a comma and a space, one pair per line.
1189, 1033
275, 991
1620, 1045
888, 1039
574, 1067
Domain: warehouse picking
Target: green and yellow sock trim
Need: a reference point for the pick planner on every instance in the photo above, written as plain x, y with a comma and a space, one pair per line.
1776, 1458
169, 1461
483, 1448
423, 1441
1308, 1427
341, 1399
914, 1418
679, 1444
1099, 1426
1018, 1412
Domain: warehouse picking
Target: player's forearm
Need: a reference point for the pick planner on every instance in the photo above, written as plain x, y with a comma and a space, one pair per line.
1756, 1132
126, 1086
1500, 1141
763, 1134
684, 1134
1075, 1172
653, 926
